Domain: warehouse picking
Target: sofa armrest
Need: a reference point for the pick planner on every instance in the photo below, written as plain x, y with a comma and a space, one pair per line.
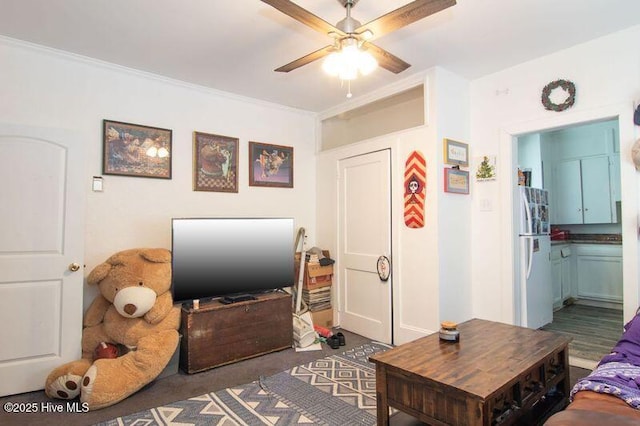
592, 408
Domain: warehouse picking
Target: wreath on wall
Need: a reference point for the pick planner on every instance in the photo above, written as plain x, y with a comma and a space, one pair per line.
567, 87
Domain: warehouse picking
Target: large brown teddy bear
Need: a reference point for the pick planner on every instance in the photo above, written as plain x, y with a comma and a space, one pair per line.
134, 310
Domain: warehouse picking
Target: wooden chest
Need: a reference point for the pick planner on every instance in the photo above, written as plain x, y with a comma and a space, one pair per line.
218, 334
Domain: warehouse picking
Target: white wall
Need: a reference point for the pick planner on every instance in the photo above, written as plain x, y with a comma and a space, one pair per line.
606, 74
45, 88
449, 116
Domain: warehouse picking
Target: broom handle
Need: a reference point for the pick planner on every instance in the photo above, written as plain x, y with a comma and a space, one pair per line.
303, 255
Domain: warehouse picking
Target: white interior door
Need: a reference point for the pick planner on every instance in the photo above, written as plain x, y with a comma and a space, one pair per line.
42, 232
364, 234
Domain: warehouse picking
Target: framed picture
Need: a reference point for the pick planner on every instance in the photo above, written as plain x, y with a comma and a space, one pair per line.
486, 168
270, 165
136, 150
215, 163
456, 153
456, 181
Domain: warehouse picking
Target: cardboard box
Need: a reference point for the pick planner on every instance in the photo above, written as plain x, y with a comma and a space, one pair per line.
323, 318
315, 270
312, 283
315, 275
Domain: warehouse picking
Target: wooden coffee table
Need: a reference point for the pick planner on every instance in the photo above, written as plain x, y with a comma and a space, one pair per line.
497, 374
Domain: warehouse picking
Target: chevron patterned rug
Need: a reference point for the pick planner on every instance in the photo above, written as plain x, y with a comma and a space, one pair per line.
337, 390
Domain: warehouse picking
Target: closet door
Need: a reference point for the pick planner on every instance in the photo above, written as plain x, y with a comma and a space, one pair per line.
364, 234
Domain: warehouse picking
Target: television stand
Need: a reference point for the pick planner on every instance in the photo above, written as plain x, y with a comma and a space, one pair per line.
218, 333
235, 298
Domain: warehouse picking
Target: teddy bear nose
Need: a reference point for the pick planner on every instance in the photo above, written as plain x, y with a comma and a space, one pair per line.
130, 308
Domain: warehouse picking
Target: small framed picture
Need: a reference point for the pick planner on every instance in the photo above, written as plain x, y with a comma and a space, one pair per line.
486, 169
215, 163
456, 181
456, 153
270, 165
136, 150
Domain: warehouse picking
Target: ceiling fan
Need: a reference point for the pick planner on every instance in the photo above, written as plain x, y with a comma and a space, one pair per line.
350, 32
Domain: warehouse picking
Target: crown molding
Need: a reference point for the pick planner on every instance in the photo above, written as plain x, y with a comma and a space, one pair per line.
97, 63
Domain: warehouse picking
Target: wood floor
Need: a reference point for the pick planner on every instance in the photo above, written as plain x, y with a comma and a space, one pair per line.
594, 330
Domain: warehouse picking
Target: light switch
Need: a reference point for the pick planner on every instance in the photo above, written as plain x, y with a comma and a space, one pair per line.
96, 185
486, 205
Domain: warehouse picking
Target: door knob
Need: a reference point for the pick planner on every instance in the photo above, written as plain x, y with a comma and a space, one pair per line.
74, 267
384, 268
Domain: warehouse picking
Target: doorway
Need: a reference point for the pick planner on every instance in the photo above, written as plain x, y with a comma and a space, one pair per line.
579, 166
629, 205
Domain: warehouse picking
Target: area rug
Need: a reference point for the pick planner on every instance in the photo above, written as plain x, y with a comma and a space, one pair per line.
336, 390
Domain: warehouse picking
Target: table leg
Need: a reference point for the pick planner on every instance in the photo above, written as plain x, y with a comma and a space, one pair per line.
382, 411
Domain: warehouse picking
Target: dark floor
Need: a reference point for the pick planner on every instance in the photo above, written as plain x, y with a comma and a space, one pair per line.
176, 387
182, 386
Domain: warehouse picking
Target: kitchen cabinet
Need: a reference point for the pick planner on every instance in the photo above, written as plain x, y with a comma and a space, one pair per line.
561, 273
599, 272
582, 191
616, 194
567, 193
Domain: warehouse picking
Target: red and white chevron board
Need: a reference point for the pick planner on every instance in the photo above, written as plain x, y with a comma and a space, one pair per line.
415, 187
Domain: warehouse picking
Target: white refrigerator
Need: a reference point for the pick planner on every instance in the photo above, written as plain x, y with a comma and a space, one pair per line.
536, 292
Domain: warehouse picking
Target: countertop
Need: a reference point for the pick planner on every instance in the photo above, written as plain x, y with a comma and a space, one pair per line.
610, 239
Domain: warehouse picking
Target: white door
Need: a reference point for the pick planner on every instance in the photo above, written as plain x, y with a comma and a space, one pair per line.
364, 234
42, 232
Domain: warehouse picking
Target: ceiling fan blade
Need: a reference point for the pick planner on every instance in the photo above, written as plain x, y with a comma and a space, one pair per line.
321, 53
304, 16
404, 16
387, 60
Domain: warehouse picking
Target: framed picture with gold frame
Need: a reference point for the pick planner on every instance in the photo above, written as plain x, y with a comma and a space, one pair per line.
456, 153
215, 163
456, 181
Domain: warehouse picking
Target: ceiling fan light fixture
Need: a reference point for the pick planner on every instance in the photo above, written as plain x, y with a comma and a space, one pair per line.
366, 35
331, 64
349, 61
367, 63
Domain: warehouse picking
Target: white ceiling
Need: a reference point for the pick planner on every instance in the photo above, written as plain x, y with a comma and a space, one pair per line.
234, 45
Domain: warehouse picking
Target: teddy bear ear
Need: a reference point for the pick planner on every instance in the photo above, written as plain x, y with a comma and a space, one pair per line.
99, 273
157, 255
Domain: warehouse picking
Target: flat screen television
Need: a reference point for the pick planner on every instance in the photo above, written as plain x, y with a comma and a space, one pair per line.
215, 257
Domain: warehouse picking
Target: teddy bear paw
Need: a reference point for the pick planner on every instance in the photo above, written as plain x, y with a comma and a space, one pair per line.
88, 381
65, 387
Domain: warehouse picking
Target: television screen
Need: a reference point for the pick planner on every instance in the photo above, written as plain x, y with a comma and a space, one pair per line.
214, 257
